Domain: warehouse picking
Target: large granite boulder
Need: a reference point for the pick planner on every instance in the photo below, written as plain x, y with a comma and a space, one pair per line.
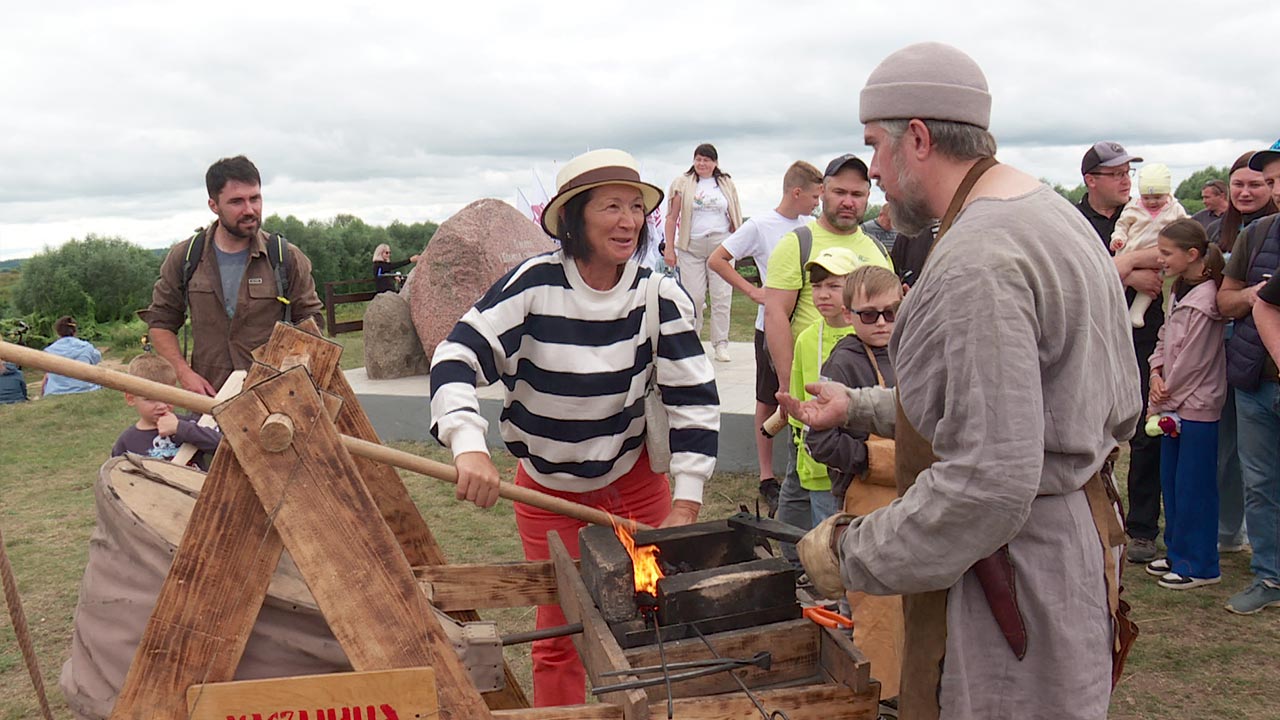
468, 253
391, 346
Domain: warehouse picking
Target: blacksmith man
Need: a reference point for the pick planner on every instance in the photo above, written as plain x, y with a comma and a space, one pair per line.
1016, 378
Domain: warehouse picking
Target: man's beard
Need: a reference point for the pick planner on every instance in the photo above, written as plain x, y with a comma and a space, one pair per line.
909, 212
833, 218
235, 230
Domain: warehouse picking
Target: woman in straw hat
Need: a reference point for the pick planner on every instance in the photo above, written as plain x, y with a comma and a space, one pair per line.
566, 334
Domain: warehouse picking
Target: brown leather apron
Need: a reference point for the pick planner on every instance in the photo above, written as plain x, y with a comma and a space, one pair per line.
925, 614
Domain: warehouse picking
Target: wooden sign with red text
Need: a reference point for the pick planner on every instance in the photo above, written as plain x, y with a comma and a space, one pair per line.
406, 694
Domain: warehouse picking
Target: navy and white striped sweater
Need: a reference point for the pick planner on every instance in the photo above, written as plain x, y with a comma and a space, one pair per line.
575, 362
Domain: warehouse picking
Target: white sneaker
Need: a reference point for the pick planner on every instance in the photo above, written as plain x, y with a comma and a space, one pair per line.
1159, 568
1174, 581
722, 352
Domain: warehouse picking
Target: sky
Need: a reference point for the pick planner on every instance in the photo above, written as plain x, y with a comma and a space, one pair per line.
410, 110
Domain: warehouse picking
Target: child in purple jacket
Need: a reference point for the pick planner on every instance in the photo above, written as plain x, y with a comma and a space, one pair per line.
159, 433
1189, 378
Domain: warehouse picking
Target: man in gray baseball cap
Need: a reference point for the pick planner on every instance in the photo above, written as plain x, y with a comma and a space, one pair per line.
1108, 182
1016, 380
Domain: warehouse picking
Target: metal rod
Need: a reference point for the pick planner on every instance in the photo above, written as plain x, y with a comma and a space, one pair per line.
767, 715
662, 658
728, 665
543, 634
27, 357
761, 660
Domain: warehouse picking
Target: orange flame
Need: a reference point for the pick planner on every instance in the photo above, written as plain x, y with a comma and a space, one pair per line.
644, 561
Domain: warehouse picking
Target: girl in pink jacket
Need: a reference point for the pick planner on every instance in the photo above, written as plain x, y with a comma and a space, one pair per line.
1189, 378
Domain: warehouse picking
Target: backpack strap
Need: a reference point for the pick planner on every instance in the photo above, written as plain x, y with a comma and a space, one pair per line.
277, 255
804, 236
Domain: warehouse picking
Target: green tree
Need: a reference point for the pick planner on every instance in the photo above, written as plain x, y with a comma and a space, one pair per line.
102, 279
1190, 188
1074, 194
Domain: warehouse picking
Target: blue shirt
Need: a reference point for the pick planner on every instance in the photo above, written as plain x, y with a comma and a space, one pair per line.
75, 349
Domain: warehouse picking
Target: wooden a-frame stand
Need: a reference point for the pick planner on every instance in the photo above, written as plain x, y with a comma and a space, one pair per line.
284, 480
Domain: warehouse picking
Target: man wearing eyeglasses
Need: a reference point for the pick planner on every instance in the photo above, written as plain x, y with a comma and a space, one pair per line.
1107, 172
1107, 176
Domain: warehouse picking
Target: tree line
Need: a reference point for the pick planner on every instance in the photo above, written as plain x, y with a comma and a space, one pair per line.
103, 280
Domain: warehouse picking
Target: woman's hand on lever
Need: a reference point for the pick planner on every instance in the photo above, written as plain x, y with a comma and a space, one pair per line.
477, 479
683, 512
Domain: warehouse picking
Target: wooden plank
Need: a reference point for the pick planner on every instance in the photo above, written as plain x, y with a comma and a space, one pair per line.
477, 587
228, 390
807, 702
219, 577
335, 534
592, 711
404, 693
600, 652
794, 645
843, 662
403, 517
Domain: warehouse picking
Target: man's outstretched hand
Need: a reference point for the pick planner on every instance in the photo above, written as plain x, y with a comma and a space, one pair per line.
828, 408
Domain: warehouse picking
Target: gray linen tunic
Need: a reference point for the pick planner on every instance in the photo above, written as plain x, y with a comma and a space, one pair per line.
1015, 361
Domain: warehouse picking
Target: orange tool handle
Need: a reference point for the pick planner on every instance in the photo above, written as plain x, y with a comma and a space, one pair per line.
827, 618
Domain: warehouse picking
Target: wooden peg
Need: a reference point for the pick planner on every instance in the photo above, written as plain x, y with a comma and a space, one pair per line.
277, 433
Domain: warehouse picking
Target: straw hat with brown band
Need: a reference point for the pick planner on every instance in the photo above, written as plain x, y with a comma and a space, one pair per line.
592, 170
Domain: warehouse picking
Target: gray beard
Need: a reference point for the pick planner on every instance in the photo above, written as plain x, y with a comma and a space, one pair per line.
909, 213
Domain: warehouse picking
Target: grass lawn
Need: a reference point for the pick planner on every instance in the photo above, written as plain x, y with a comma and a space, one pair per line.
1192, 660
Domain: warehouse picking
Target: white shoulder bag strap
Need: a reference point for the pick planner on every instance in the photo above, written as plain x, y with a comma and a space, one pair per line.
657, 426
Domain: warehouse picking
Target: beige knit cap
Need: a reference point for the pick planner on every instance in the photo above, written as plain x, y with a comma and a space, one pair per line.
929, 81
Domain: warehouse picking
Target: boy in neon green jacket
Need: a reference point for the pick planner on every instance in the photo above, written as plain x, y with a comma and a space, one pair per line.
827, 273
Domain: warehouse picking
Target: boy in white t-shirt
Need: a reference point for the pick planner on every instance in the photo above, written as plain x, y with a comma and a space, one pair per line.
801, 190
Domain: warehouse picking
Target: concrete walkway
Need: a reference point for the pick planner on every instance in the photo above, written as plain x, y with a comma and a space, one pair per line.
400, 409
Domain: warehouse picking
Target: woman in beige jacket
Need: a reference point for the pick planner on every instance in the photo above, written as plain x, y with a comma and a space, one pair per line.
703, 207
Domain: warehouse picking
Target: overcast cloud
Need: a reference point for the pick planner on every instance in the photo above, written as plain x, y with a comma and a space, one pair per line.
410, 110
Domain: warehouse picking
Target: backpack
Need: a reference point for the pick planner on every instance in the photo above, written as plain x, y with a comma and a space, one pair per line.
277, 246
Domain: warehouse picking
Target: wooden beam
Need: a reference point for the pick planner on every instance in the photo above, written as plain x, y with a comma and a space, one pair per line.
807, 702
592, 711
406, 522
843, 662
478, 587
600, 652
209, 601
404, 693
793, 644
335, 534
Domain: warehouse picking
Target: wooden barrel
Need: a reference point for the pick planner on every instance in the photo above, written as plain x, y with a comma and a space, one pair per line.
143, 506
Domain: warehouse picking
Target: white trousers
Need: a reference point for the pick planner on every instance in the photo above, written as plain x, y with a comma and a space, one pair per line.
696, 276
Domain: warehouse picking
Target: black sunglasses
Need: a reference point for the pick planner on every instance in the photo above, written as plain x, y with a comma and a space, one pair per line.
871, 317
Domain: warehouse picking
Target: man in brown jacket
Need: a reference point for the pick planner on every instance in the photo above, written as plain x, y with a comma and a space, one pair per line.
233, 294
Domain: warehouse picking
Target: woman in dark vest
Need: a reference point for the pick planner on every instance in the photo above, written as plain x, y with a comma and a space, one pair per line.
383, 268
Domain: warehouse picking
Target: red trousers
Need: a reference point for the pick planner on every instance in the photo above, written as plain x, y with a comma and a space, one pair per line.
642, 495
